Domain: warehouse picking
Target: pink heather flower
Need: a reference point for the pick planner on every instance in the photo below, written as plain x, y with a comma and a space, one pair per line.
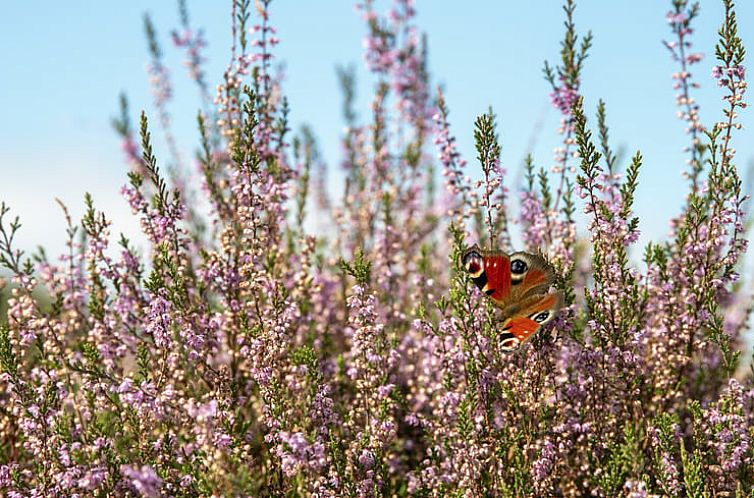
694, 58
726, 429
125, 386
563, 98
223, 441
635, 489
193, 43
366, 459
5, 475
131, 151
677, 18
204, 412
543, 465
160, 320
143, 479
159, 78
384, 391
297, 454
93, 478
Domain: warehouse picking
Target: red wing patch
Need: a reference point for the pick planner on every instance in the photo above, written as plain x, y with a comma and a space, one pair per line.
522, 327
515, 331
498, 271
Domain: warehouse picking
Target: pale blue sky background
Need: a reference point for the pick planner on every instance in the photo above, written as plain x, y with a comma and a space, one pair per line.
64, 63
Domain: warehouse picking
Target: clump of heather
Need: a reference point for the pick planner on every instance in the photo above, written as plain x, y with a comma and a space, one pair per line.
292, 342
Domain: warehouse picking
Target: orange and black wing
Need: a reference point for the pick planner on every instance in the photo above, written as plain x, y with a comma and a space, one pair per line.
535, 312
490, 271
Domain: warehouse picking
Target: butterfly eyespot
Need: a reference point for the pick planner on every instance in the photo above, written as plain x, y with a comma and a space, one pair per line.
470, 256
518, 266
472, 262
510, 344
541, 317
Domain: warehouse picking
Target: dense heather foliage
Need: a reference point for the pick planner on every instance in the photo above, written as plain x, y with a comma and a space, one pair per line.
244, 355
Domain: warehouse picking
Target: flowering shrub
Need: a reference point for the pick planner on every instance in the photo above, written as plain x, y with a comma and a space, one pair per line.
244, 355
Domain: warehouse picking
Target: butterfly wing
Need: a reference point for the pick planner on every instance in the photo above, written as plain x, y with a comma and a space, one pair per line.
531, 274
507, 279
517, 284
490, 271
523, 321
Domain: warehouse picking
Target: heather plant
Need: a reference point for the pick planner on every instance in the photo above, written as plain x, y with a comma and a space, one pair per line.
246, 353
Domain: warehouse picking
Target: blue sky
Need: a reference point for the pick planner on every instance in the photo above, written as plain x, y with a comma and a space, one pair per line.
64, 64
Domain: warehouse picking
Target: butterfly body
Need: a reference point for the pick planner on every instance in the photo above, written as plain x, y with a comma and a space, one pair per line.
519, 285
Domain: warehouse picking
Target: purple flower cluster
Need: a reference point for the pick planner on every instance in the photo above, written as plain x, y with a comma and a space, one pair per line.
680, 19
460, 194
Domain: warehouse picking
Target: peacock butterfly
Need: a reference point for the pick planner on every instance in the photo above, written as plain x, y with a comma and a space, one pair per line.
519, 285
